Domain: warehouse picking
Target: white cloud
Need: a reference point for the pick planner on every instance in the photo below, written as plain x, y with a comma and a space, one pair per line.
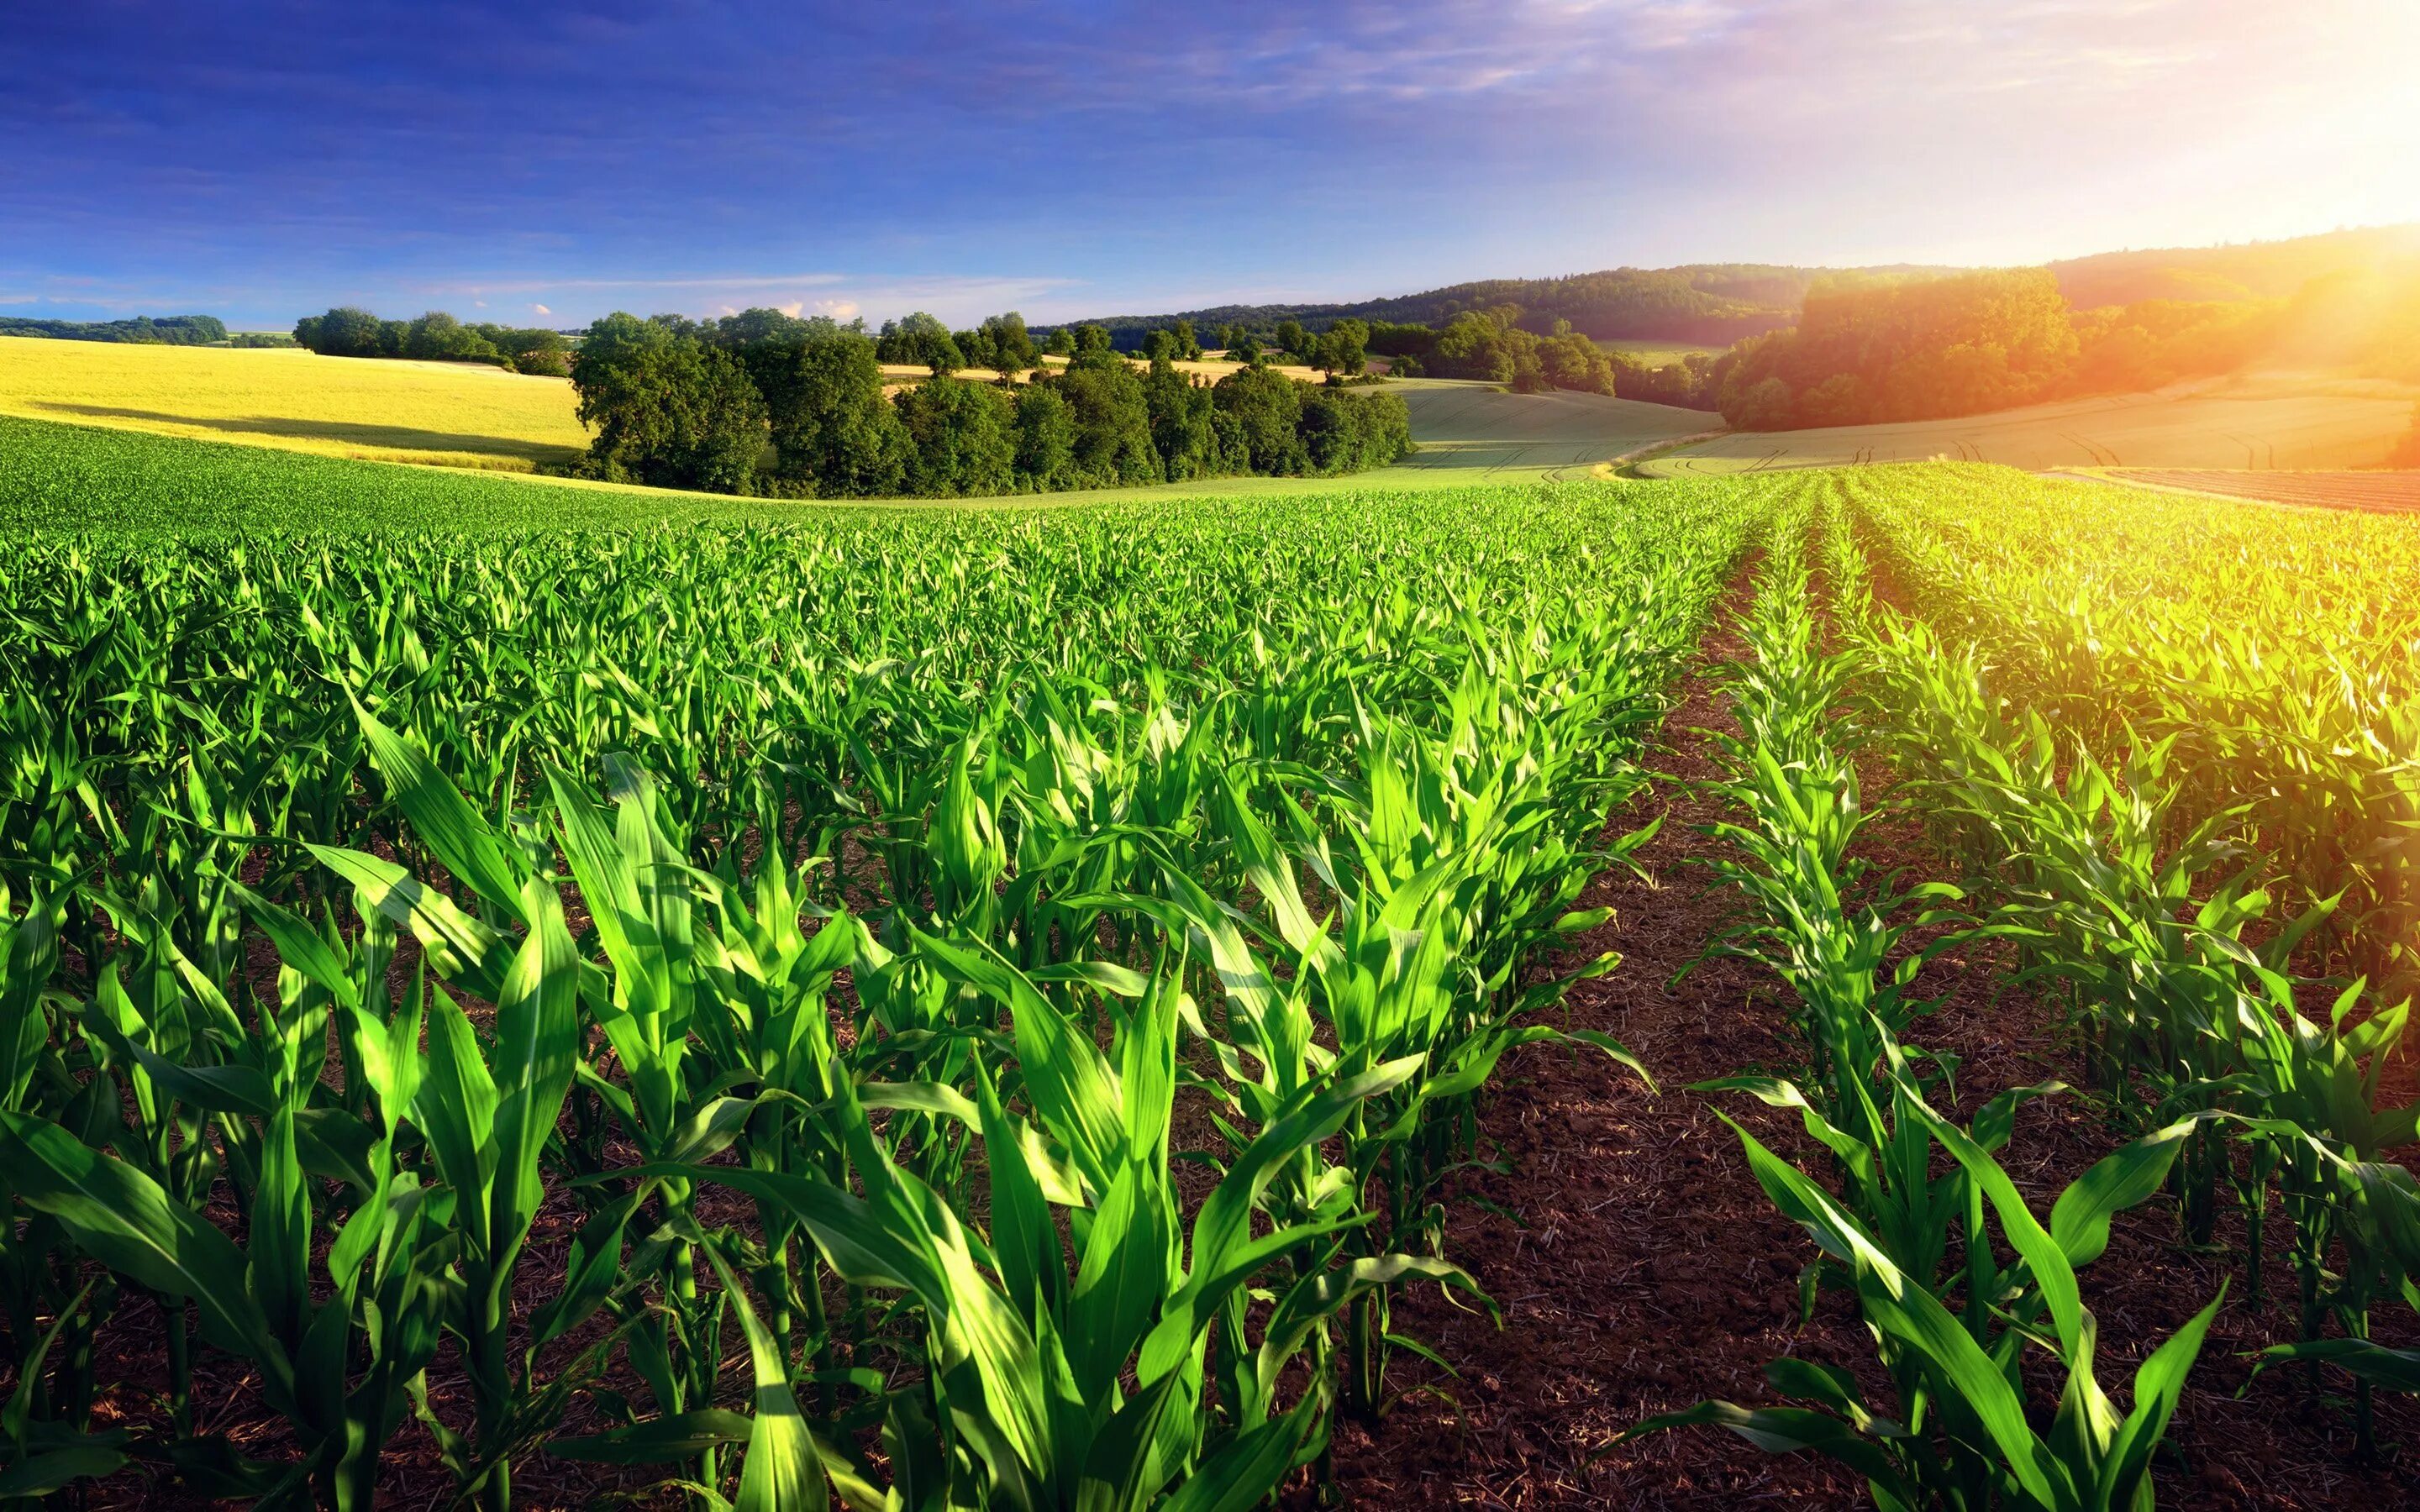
541, 309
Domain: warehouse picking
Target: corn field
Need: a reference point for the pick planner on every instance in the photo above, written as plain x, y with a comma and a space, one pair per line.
937, 1010
804, 935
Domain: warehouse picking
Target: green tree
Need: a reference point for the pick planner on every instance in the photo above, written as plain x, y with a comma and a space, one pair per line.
1045, 439
1267, 408
1012, 344
923, 340
668, 410
759, 325
1570, 361
1112, 419
1062, 343
344, 332
1475, 346
1188, 347
1183, 431
1343, 349
1293, 340
437, 336
975, 347
1093, 339
836, 434
962, 438
1343, 431
1766, 404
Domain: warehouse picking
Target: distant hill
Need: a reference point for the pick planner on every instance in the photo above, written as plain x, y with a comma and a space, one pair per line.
1714, 304
2240, 270
1705, 304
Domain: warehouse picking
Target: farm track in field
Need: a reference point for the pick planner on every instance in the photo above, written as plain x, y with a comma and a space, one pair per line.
2379, 493
1648, 1271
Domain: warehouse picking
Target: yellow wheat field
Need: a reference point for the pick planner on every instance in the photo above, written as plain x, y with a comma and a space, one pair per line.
455, 414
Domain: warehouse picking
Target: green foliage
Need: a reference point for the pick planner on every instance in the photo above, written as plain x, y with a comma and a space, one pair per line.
1951, 1314
170, 330
833, 432
1705, 304
668, 410
436, 336
922, 340
1045, 439
1871, 349
2130, 840
961, 437
1039, 783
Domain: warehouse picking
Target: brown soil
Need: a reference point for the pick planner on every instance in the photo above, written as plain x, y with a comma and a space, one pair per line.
1645, 1271
1649, 1271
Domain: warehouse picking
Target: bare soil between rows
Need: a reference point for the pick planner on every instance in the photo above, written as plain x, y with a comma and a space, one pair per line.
1639, 1267
1647, 1270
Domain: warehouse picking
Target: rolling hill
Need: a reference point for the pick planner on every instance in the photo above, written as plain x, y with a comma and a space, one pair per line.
1718, 303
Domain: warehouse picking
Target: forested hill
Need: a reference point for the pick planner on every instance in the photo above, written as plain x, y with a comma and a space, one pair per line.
1709, 304
1714, 304
2240, 270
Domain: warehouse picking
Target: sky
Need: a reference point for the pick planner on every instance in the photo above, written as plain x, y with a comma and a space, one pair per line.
539, 164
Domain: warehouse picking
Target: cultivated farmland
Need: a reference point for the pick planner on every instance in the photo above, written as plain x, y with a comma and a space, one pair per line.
455, 414
1507, 437
2386, 493
2281, 422
468, 415
527, 994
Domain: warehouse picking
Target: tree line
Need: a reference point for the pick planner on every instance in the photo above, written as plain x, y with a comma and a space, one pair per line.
436, 337
766, 403
1710, 305
166, 331
1873, 349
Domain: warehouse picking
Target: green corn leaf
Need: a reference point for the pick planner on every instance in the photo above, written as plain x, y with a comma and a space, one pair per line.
440, 817
2158, 1383
461, 948
782, 1472
658, 1440
537, 1039
1245, 1473
2394, 1369
1791, 1431
44, 1474
122, 1219
2079, 1220
457, 1109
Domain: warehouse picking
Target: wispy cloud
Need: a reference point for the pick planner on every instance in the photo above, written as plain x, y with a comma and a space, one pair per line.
967, 156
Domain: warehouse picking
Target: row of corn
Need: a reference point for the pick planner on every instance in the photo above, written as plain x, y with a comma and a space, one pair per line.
2269, 658
934, 1012
2169, 933
1959, 1281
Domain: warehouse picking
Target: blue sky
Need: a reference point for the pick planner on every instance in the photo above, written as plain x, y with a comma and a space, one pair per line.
547, 163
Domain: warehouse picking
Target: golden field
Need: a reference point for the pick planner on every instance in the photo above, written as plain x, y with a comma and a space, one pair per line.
2258, 421
453, 414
